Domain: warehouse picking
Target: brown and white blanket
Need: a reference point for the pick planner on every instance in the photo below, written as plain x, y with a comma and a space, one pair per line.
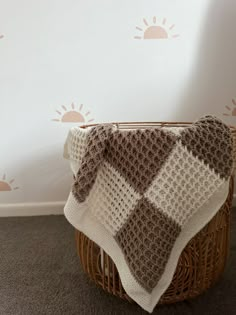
142, 194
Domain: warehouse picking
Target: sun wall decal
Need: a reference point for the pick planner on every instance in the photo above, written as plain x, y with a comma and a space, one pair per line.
231, 109
5, 185
157, 30
72, 115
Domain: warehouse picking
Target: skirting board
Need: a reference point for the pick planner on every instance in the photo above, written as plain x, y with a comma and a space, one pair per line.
39, 208
31, 209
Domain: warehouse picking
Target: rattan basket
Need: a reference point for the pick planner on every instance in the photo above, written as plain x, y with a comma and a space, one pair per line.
201, 262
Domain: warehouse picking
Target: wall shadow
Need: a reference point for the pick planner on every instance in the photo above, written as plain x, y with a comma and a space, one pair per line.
212, 83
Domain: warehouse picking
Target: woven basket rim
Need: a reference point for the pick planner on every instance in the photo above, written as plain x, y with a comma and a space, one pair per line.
148, 124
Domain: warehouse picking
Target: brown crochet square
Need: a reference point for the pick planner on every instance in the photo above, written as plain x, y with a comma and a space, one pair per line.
139, 155
211, 143
147, 239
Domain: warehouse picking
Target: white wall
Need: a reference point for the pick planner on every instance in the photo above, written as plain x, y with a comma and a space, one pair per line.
55, 53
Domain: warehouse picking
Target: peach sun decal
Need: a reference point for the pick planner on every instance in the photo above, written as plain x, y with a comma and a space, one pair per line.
6, 185
232, 109
156, 30
72, 115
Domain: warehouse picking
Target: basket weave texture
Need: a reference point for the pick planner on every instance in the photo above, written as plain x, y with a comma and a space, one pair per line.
200, 264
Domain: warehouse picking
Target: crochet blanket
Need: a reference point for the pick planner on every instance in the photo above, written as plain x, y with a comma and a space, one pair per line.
142, 194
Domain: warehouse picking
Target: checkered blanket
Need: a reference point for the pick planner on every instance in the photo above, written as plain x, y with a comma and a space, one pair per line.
142, 194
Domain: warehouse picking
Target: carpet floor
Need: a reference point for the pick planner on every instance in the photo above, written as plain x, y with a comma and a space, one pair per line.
40, 273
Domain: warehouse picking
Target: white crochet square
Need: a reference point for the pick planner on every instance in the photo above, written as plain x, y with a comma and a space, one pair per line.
75, 144
183, 184
114, 198
176, 130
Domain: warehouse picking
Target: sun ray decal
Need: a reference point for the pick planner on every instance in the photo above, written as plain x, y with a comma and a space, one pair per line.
7, 185
156, 30
231, 110
72, 115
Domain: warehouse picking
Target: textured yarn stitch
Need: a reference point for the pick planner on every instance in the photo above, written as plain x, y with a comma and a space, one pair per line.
144, 185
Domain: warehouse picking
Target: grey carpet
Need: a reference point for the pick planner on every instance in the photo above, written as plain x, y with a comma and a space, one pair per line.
41, 274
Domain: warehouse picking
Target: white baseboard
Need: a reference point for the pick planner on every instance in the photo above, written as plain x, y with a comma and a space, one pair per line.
31, 209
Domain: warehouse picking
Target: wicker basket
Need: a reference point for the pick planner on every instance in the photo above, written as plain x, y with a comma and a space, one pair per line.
201, 262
